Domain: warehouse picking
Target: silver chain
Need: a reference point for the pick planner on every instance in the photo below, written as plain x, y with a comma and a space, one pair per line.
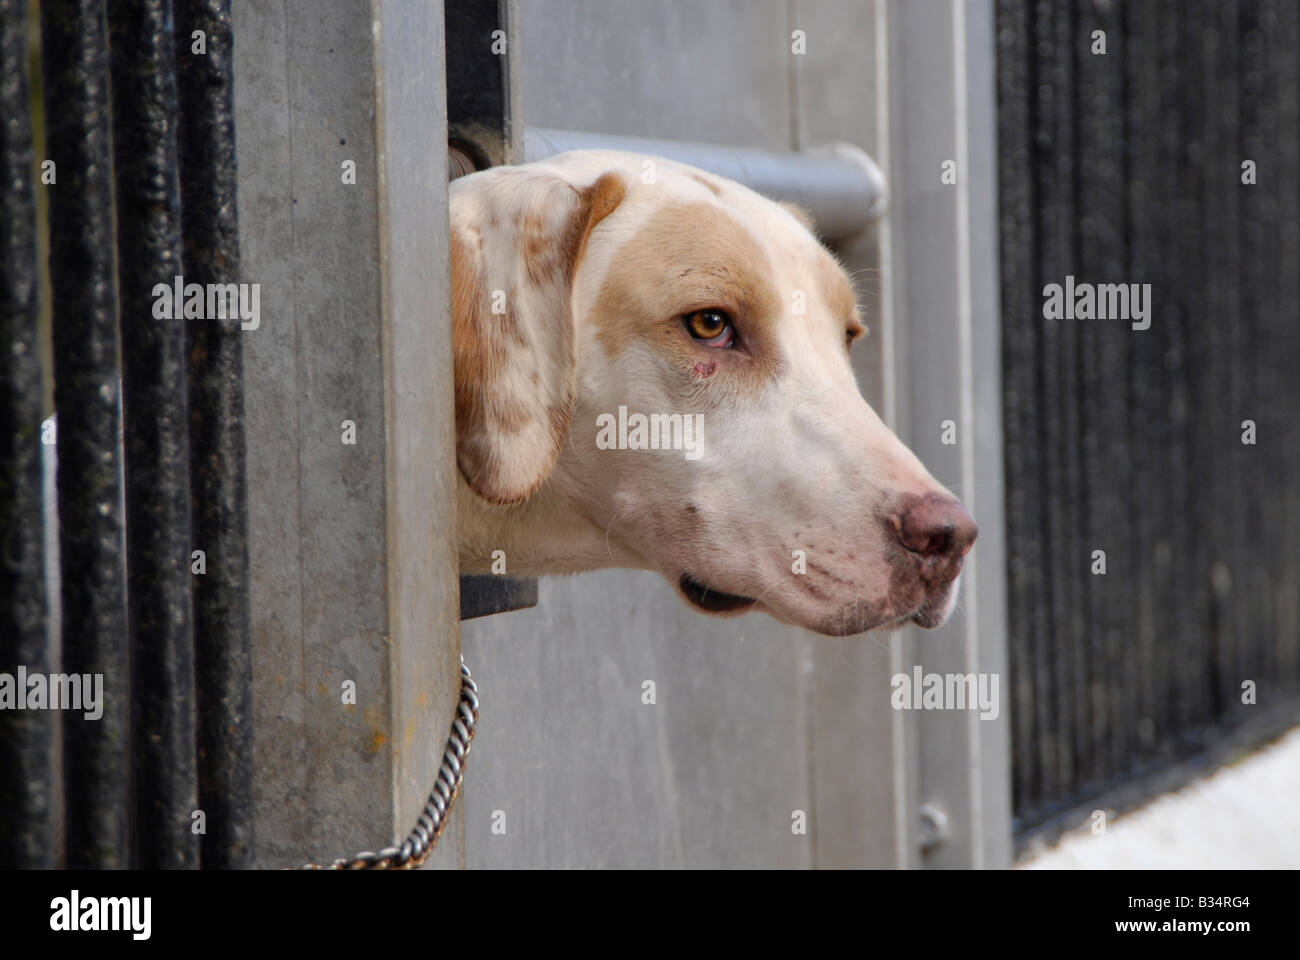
420, 841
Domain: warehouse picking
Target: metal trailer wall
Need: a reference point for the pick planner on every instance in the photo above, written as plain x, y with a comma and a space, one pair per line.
1127, 167
754, 721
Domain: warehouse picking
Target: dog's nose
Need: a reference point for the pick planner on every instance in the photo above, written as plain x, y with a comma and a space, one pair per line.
940, 532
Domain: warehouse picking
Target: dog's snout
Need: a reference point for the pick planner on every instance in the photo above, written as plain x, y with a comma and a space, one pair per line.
940, 532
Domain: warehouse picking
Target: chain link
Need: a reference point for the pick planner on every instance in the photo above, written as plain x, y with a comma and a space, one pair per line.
420, 841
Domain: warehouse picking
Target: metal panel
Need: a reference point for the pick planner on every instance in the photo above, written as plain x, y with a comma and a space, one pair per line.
351, 566
716, 72
945, 324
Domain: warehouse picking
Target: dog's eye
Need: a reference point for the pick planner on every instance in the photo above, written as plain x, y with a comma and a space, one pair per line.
711, 327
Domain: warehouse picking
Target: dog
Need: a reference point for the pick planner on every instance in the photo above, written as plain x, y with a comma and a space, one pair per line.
598, 287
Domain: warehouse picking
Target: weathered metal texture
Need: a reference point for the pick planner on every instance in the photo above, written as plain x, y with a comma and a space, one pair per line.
91, 537
1126, 167
222, 644
26, 736
352, 566
156, 434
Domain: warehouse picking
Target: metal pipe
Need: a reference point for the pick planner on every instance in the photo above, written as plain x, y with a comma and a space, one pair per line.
26, 736
95, 752
156, 434
222, 646
837, 184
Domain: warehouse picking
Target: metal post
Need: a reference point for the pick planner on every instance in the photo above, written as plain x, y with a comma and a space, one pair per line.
76, 79
342, 193
26, 737
222, 645
156, 434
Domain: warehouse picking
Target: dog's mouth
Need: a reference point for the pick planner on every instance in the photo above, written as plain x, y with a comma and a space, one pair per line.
714, 601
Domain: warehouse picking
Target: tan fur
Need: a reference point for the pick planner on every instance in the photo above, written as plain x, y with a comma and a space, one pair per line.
552, 226
713, 187
689, 257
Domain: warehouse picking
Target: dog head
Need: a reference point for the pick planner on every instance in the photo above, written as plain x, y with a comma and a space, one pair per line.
652, 370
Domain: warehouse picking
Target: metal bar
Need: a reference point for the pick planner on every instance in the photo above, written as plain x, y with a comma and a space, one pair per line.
481, 595
1019, 326
93, 587
156, 436
222, 645
838, 184
26, 736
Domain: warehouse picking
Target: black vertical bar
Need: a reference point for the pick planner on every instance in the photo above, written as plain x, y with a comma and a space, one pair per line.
1285, 349
1225, 322
1268, 507
222, 651
1211, 98
156, 436
96, 758
1246, 464
1054, 185
1144, 383
1103, 420
1184, 125
1021, 314
1047, 706
26, 736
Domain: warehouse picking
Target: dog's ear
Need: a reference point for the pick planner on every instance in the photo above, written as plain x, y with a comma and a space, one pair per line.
517, 235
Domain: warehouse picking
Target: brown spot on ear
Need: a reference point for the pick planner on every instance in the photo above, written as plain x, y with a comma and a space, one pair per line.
545, 255
478, 355
708, 183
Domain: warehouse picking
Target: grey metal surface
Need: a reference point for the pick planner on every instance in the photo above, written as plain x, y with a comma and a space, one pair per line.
837, 183
352, 562
947, 360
